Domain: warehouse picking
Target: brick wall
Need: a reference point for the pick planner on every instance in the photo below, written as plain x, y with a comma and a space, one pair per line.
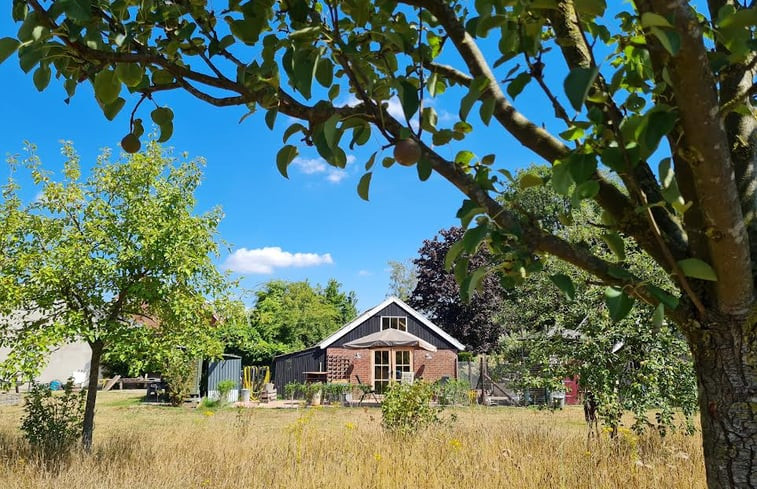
442, 363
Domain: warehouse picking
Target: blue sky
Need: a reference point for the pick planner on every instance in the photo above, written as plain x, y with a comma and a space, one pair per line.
312, 226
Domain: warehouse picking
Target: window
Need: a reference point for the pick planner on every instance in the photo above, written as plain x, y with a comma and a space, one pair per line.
394, 322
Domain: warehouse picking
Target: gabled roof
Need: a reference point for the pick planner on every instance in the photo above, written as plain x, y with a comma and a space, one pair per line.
371, 312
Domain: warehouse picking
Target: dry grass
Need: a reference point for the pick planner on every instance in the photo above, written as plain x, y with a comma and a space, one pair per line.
143, 447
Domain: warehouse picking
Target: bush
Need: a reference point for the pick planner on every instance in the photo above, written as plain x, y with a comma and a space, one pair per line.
407, 408
179, 373
452, 392
224, 387
52, 424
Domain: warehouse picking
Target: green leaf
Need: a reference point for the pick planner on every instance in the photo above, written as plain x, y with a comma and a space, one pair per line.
592, 8
477, 87
284, 158
474, 236
618, 303
527, 180
649, 19
616, 244
8, 46
79, 10
408, 95
304, 62
330, 131
324, 72
364, 185
162, 115
696, 268
130, 74
518, 84
166, 130
670, 40
452, 253
424, 168
561, 179
658, 316
464, 157
487, 110
112, 109
42, 77
371, 161
107, 86
670, 301
577, 85
565, 284
293, 129
473, 281
270, 118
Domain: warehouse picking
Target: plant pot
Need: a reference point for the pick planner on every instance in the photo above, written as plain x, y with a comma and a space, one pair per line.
316, 399
244, 395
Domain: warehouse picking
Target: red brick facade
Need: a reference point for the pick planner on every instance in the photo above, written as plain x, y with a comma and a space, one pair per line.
427, 365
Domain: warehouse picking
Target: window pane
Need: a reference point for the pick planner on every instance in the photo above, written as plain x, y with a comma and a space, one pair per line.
402, 323
385, 323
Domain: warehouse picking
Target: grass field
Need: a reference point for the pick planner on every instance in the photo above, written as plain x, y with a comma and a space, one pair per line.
138, 446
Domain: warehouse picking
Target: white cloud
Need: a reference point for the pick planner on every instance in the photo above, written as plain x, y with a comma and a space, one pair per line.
364, 273
265, 260
336, 175
318, 166
310, 166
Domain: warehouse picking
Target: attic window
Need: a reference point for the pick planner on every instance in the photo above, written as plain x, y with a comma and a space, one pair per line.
394, 322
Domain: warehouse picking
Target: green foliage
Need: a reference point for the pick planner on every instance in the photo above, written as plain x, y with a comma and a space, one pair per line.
224, 388
289, 316
52, 422
403, 278
407, 408
118, 259
179, 371
452, 392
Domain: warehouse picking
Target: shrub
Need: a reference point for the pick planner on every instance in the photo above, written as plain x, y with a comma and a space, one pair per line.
52, 423
407, 408
179, 373
224, 387
452, 392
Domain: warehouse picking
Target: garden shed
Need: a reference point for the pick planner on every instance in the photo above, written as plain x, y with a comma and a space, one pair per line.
215, 371
387, 343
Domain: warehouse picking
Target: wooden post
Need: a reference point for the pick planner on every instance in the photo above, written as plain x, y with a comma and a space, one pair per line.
482, 375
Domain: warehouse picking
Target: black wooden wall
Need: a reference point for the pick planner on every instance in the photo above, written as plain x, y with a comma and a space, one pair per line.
414, 327
290, 367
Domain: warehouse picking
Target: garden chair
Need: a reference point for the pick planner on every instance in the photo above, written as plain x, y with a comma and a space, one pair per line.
365, 389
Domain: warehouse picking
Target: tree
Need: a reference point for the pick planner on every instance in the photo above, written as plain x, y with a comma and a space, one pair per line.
403, 277
632, 363
289, 316
672, 75
474, 321
109, 259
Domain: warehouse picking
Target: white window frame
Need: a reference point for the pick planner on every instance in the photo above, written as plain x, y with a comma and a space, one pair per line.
392, 364
393, 317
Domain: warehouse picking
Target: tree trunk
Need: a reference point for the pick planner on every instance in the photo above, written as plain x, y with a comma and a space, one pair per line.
89, 409
725, 359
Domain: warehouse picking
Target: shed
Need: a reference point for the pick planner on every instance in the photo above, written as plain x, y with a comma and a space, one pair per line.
360, 353
216, 371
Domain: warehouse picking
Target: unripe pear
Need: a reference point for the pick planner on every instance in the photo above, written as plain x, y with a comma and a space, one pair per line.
130, 143
407, 152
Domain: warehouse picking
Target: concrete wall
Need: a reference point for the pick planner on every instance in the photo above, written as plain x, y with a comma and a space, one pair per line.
62, 361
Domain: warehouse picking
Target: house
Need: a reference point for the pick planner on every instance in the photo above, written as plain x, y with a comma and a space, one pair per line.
386, 343
64, 361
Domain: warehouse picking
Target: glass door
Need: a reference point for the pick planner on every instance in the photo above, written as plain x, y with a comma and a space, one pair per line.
388, 367
381, 371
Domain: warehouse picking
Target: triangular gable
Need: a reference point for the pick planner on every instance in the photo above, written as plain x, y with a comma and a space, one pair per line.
371, 312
